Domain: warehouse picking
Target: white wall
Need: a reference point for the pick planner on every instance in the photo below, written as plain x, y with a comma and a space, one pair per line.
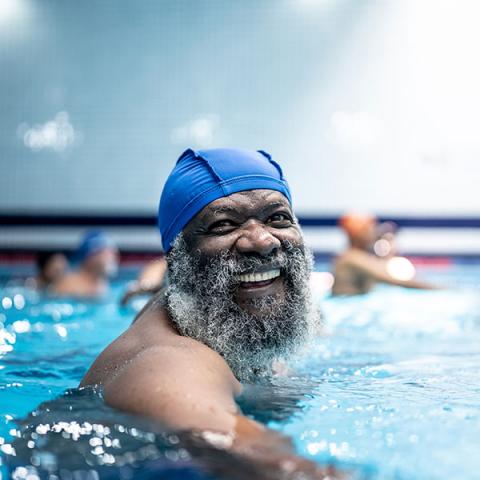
369, 105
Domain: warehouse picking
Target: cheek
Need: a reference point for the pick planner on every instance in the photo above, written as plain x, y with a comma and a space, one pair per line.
292, 235
206, 248
211, 247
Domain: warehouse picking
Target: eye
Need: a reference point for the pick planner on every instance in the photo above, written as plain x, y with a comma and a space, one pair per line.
222, 226
280, 220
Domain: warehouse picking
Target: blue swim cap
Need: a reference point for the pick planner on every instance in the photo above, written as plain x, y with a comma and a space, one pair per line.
93, 242
202, 176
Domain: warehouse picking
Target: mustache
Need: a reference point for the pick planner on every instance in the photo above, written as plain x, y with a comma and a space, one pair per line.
234, 264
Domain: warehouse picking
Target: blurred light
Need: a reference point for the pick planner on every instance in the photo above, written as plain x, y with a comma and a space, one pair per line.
21, 326
382, 247
42, 429
11, 11
16, 20
7, 303
315, 447
321, 282
61, 330
19, 301
400, 268
199, 132
218, 439
7, 449
7, 339
57, 134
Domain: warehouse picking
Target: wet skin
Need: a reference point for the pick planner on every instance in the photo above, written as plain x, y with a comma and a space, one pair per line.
153, 371
252, 223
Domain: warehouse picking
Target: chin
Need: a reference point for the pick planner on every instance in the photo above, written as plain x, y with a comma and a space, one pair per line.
263, 306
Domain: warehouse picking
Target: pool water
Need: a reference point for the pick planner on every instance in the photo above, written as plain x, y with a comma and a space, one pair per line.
391, 390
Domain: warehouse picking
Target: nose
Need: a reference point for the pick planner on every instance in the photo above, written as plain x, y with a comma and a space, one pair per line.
256, 238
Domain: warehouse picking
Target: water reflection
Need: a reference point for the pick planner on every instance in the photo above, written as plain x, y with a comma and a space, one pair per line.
78, 436
392, 391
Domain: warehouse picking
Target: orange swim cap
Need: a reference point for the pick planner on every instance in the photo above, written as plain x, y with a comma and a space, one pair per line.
356, 223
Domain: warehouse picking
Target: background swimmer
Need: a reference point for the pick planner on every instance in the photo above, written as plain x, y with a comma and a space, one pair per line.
98, 261
370, 258
51, 268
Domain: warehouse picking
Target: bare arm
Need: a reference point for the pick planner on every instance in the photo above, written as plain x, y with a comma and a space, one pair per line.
194, 390
150, 281
162, 384
377, 269
137, 288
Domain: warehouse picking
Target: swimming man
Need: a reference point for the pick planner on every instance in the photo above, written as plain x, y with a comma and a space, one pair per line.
237, 299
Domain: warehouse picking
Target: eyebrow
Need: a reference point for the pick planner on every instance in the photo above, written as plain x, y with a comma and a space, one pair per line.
220, 210
273, 205
235, 211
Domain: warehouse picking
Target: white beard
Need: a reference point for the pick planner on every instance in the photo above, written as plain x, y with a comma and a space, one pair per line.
201, 304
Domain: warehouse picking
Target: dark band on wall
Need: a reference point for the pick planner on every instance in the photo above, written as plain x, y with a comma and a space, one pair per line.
145, 220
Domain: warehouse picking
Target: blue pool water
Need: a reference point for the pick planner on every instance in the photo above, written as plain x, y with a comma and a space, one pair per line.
390, 391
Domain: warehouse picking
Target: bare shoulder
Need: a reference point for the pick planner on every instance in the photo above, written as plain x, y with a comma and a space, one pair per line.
152, 348
185, 362
140, 336
76, 284
153, 371
182, 387
67, 282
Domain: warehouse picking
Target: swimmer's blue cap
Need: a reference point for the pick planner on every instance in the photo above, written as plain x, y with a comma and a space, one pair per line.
93, 242
202, 176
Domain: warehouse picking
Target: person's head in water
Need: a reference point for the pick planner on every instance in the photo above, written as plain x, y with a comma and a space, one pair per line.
361, 230
237, 264
97, 255
51, 267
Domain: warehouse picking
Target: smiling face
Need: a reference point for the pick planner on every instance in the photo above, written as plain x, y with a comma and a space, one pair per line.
239, 279
251, 226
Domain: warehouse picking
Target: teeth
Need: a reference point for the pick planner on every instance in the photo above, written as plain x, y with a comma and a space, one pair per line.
258, 277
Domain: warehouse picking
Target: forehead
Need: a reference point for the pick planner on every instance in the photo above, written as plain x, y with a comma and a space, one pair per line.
250, 201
